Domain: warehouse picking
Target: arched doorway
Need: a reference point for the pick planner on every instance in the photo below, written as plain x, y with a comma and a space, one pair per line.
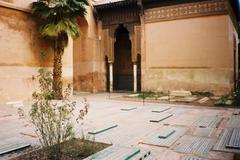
123, 66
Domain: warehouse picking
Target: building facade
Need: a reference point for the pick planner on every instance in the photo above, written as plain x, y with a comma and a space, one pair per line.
128, 45
161, 46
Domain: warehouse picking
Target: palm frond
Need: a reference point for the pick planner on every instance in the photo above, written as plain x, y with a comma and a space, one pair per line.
68, 26
73, 29
59, 18
49, 30
41, 10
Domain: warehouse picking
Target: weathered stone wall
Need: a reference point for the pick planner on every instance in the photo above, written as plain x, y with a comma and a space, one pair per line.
193, 54
23, 52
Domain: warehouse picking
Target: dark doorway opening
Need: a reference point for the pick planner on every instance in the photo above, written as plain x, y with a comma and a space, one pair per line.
123, 66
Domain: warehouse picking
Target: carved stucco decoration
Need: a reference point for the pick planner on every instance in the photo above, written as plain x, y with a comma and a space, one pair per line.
105, 42
136, 42
109, 39
190, 10
138, 38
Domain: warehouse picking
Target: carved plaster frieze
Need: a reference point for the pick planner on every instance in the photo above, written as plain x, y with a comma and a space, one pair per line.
206, 8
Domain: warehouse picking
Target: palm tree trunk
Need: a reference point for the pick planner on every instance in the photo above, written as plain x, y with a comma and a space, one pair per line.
57, 75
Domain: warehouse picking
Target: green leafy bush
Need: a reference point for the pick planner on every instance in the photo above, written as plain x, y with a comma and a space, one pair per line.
224, 101
146, 94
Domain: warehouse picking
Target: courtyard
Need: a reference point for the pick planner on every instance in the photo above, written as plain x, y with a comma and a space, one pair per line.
119, 80
188, 131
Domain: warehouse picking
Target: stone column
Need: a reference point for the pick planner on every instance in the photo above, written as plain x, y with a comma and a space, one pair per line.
111, 77
135, 77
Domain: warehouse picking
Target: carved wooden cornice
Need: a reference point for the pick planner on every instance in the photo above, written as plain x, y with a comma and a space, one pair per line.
119, 15
119, 12
190, 10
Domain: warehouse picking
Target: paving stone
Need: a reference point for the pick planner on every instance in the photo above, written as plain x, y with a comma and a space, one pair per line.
143, 155
174, 99
153, 138
194, 145
192, 158
182, 119
203, 132
187, 99
207, 122
180, 93
4, 114
164, 154
236, 112
164, 98
133, 95
116, 152
215, 98
133, 127
161, 118
10, 147
128, 109
223, 141
179, 111
234, 141
233, 122
15, 104
204, 100
161, 110
101, 130
166, 133
210, 113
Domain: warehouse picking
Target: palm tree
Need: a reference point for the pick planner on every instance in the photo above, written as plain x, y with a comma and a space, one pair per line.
58, 21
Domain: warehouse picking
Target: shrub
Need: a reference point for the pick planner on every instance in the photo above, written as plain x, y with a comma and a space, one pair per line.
145, 95
53, 119
224, 101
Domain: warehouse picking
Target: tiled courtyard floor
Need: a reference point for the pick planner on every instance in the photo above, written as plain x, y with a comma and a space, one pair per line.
133, 127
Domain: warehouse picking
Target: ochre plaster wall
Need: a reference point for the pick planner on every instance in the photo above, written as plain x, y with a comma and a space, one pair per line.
22, 53
89, 69
193, 54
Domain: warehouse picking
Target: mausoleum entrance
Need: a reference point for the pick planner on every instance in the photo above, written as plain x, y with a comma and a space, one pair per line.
123, 66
